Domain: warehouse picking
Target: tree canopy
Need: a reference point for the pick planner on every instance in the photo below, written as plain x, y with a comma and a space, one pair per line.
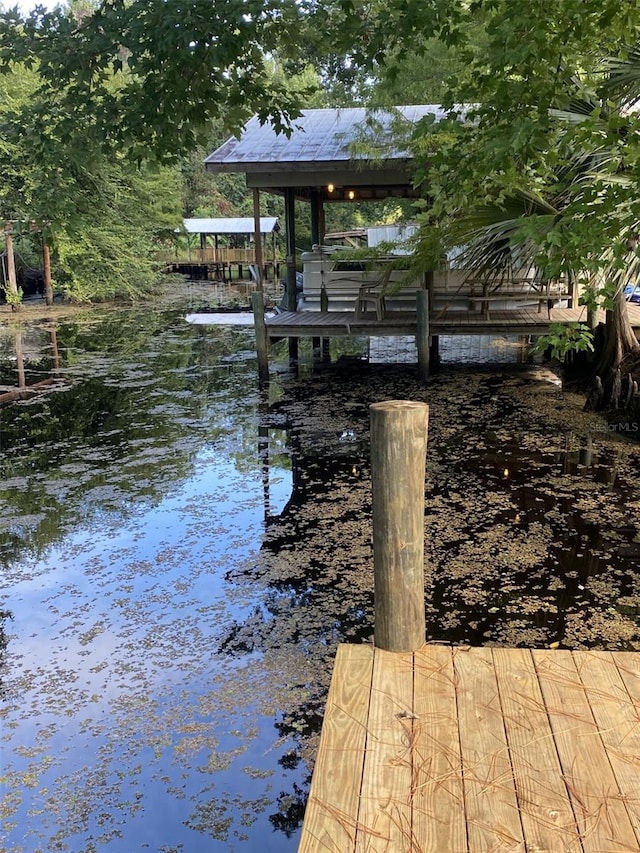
546, 142
539, 158
152, 76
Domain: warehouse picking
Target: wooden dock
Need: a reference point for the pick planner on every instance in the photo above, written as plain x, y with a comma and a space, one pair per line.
516, 321
476, 750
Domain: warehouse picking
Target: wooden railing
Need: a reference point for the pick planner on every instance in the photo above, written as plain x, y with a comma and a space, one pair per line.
221, 255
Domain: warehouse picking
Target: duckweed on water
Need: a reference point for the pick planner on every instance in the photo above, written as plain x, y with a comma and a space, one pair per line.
181, 556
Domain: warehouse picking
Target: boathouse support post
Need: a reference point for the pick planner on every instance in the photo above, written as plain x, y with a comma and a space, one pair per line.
262, 346
398, 461
290, 224
257, 238
317, 217
422, 332
291, 294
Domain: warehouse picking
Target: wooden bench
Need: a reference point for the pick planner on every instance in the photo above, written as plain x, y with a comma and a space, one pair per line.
516, 291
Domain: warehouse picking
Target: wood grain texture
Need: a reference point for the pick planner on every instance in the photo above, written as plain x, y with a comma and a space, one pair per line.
617, 716
477, 751
398, 455
492, 813
332, 808
601, 814
384, 819
438, 793
547, 816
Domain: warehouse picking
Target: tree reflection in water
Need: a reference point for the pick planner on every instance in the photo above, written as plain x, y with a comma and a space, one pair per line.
183, 553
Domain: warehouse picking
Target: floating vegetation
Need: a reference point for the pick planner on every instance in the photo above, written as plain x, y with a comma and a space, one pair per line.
182, 554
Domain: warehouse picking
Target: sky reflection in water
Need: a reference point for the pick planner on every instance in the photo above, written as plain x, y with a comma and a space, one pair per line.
181, 557
123, 727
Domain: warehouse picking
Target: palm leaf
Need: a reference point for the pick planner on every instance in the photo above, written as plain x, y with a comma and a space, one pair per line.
622, 80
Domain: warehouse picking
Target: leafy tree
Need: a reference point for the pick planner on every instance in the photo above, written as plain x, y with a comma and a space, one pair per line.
101, 213
155, 75
121, 84
543, 163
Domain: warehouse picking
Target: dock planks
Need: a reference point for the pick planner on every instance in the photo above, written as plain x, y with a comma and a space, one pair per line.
470, 750
516, 321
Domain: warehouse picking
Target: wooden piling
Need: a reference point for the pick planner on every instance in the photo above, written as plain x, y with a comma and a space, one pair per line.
46, 274
398, 459
434, 353
257, 240
262, 345
422, 332
290, 224
12, 292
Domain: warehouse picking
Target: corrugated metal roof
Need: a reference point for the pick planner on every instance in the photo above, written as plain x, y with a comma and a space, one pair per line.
318, 137
231, 225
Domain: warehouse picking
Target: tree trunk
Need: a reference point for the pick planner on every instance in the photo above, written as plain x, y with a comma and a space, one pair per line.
619, 338
614, 367
46, 274
12, 292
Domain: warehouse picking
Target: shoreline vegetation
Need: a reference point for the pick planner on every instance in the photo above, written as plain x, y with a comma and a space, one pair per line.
175, 292
170, 293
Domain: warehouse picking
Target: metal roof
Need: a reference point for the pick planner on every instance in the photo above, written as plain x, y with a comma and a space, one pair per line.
231, 225
319, 138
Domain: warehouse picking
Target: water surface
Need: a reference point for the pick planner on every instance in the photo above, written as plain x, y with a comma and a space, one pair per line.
182, 552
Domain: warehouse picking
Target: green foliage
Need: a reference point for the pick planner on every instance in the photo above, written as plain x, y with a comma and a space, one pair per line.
91, 95
541, 169
565, 338
155, 75
102, 215
207, 194
13, 298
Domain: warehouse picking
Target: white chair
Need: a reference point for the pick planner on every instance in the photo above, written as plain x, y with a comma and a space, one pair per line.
375, 294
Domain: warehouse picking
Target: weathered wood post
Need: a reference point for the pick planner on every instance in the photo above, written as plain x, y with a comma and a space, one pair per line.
46, 274
422, 332
291, 292
12, 292
398, 460
257, 239
262, 346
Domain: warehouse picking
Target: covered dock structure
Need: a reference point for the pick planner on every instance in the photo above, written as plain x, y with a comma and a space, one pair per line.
216, 247
325, 160
316, 163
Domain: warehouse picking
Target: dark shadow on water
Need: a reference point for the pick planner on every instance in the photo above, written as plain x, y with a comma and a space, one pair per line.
493, 496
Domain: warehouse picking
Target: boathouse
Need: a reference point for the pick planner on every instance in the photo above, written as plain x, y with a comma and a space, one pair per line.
223, 248
316, 163
342, 155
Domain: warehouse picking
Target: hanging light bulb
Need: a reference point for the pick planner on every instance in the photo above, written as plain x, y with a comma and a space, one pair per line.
351, 195
330, 188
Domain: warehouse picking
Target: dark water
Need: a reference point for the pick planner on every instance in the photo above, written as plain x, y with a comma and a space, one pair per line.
181, 553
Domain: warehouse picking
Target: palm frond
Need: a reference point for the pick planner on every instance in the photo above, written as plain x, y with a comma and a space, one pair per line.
622, 76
